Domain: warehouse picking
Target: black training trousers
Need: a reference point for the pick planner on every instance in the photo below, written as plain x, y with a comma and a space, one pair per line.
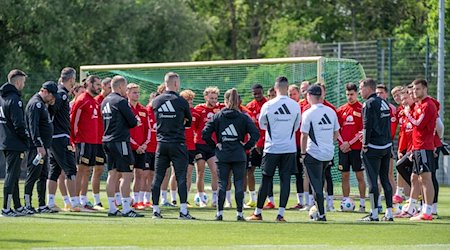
37, 174
13, 160
239, 171
316, 174
166, 153
376, 163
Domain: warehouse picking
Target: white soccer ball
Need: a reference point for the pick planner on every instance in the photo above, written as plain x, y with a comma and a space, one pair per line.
313, 213
198, 199
347, 205
405, 209
396, 209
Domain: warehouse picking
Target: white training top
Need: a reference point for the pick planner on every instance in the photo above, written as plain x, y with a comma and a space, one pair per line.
280, 117
320, 122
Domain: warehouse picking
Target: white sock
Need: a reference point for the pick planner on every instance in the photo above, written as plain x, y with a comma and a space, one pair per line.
118, 198
214, 196
126, 205
163, 196
399, 191
239, 214
434, 210
388, 213
141, 196
83, 200
258, 211
66, 200
147, 196
281, 211
228, 196
374, 213
156, 209
310, 200
27, 200
183, 208
219, 213
97, 199
271, 199
362, 202
253, 196
75, 201
135, 197
379, 201
173, 195
51, 200
412, 205
300, 198
8, 203
306, 195
329, 200
428, 209
112, 204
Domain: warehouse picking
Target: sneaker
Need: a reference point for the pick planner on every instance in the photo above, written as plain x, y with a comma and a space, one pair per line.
88, 208
397, 199
305, 208
168, 204
202, 204
185, 216
80, 208
55, 208
362, 209
403, 214
23, 211
46, 210
116, 213
219, 218
67, 207
227, 205
240, 218
32, 210
368, 218
214, 204
384, 218
270, 205
89, 205
331, 209
157, 215
296, 206
99, 207
250, 204
132, 214
421, 217
9, 213
254, 217
139, 206
280, 219
318, 218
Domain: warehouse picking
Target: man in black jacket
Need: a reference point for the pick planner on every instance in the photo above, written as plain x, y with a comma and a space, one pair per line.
172, 114
376, 149
13, 138
117, 121
40, 128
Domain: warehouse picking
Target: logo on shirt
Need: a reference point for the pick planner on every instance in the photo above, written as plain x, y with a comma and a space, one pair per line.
2, 116
325, 120
166, 107
283, 110
230, 131
384, 106
106, 111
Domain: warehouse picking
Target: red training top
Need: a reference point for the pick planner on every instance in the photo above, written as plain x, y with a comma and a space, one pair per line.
84, 120
423, 119
351, 122
139, 135
151, 146
255, 109
405, 132
205, 114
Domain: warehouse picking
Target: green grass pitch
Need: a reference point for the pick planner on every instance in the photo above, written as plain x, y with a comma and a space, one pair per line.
96, 230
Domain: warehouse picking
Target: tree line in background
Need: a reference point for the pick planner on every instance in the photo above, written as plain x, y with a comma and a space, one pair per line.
43, 36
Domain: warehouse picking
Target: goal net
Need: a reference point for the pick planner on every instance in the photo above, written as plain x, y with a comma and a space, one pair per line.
240, 74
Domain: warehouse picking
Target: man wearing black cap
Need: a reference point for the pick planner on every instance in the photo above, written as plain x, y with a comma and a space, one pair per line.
13, 139
40, 128
319, 129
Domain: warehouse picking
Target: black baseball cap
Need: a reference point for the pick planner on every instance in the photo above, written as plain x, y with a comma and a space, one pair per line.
51, 87
315, 90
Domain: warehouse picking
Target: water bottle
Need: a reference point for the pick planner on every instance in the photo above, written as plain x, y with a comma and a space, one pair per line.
37, 159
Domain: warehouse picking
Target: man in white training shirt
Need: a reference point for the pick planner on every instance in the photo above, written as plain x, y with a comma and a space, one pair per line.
319, 129
280, 118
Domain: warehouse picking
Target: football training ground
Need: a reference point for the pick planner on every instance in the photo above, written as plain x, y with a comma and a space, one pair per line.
97, 231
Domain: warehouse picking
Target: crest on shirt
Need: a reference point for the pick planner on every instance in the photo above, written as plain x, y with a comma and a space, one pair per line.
393, 119
38, 105
64, 97
357, 114
349, 119
20, 104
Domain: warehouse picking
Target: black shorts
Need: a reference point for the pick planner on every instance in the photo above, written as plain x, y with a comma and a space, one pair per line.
423, 161
353, 159
191, 155
284, 163
86, 154
150, 160
139, 161
119, 156
255, 158
100, 156
62, 156
204, 152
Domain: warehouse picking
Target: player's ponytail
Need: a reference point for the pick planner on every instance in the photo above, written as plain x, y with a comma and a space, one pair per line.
231, 98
